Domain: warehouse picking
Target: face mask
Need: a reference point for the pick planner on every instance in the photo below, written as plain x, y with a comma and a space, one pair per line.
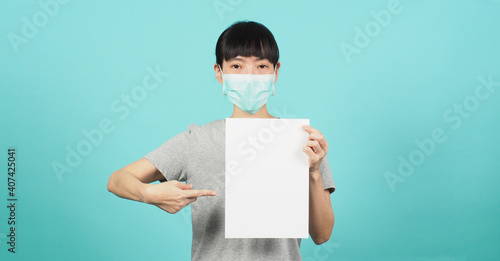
249, 92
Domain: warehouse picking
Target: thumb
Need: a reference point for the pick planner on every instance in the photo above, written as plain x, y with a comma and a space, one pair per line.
184, 186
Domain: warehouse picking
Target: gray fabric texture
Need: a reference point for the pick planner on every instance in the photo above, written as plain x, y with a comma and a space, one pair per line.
197, 156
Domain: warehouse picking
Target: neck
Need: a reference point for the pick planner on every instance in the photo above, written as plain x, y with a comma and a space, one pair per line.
262, 113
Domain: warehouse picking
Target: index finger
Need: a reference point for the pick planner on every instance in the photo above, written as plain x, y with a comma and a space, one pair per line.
308, 128
199, 193
315, 134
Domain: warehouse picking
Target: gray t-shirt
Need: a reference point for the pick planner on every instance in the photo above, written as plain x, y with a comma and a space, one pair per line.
197, 156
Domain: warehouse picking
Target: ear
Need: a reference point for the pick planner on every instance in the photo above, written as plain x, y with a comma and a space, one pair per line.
278, 65
218, 73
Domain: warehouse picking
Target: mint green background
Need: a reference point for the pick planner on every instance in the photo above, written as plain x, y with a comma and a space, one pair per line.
371, 110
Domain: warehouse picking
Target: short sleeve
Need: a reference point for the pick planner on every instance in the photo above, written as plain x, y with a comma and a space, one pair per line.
171, 158
326, 175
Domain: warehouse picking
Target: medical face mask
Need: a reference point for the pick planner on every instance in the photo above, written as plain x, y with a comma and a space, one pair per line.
248, 91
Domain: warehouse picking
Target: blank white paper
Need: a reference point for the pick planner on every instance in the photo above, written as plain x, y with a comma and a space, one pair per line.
267, 178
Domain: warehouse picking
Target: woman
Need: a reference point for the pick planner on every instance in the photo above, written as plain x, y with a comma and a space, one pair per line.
247, 67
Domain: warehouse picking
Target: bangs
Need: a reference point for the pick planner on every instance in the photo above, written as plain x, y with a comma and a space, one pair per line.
247, 39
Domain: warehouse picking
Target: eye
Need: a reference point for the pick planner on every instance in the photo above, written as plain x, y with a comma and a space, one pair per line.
262, 66
235, 66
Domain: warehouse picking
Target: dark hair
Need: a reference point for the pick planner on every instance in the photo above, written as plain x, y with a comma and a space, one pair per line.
246, 38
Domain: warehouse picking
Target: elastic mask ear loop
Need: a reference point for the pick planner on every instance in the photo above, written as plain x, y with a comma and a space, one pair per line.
274, 90
223, 82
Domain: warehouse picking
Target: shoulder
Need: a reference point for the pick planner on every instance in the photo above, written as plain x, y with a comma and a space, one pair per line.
211, 128
216, 124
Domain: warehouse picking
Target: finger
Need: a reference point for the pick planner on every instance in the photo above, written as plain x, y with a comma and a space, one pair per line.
308, 128
183, 186
314, 145
199, 193
320, 138
310, 153
313, 133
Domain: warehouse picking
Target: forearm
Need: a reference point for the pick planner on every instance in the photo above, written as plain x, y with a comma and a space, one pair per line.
125, 185
321, 217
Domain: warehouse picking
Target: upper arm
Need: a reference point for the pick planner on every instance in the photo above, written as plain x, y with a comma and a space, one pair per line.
144, 171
